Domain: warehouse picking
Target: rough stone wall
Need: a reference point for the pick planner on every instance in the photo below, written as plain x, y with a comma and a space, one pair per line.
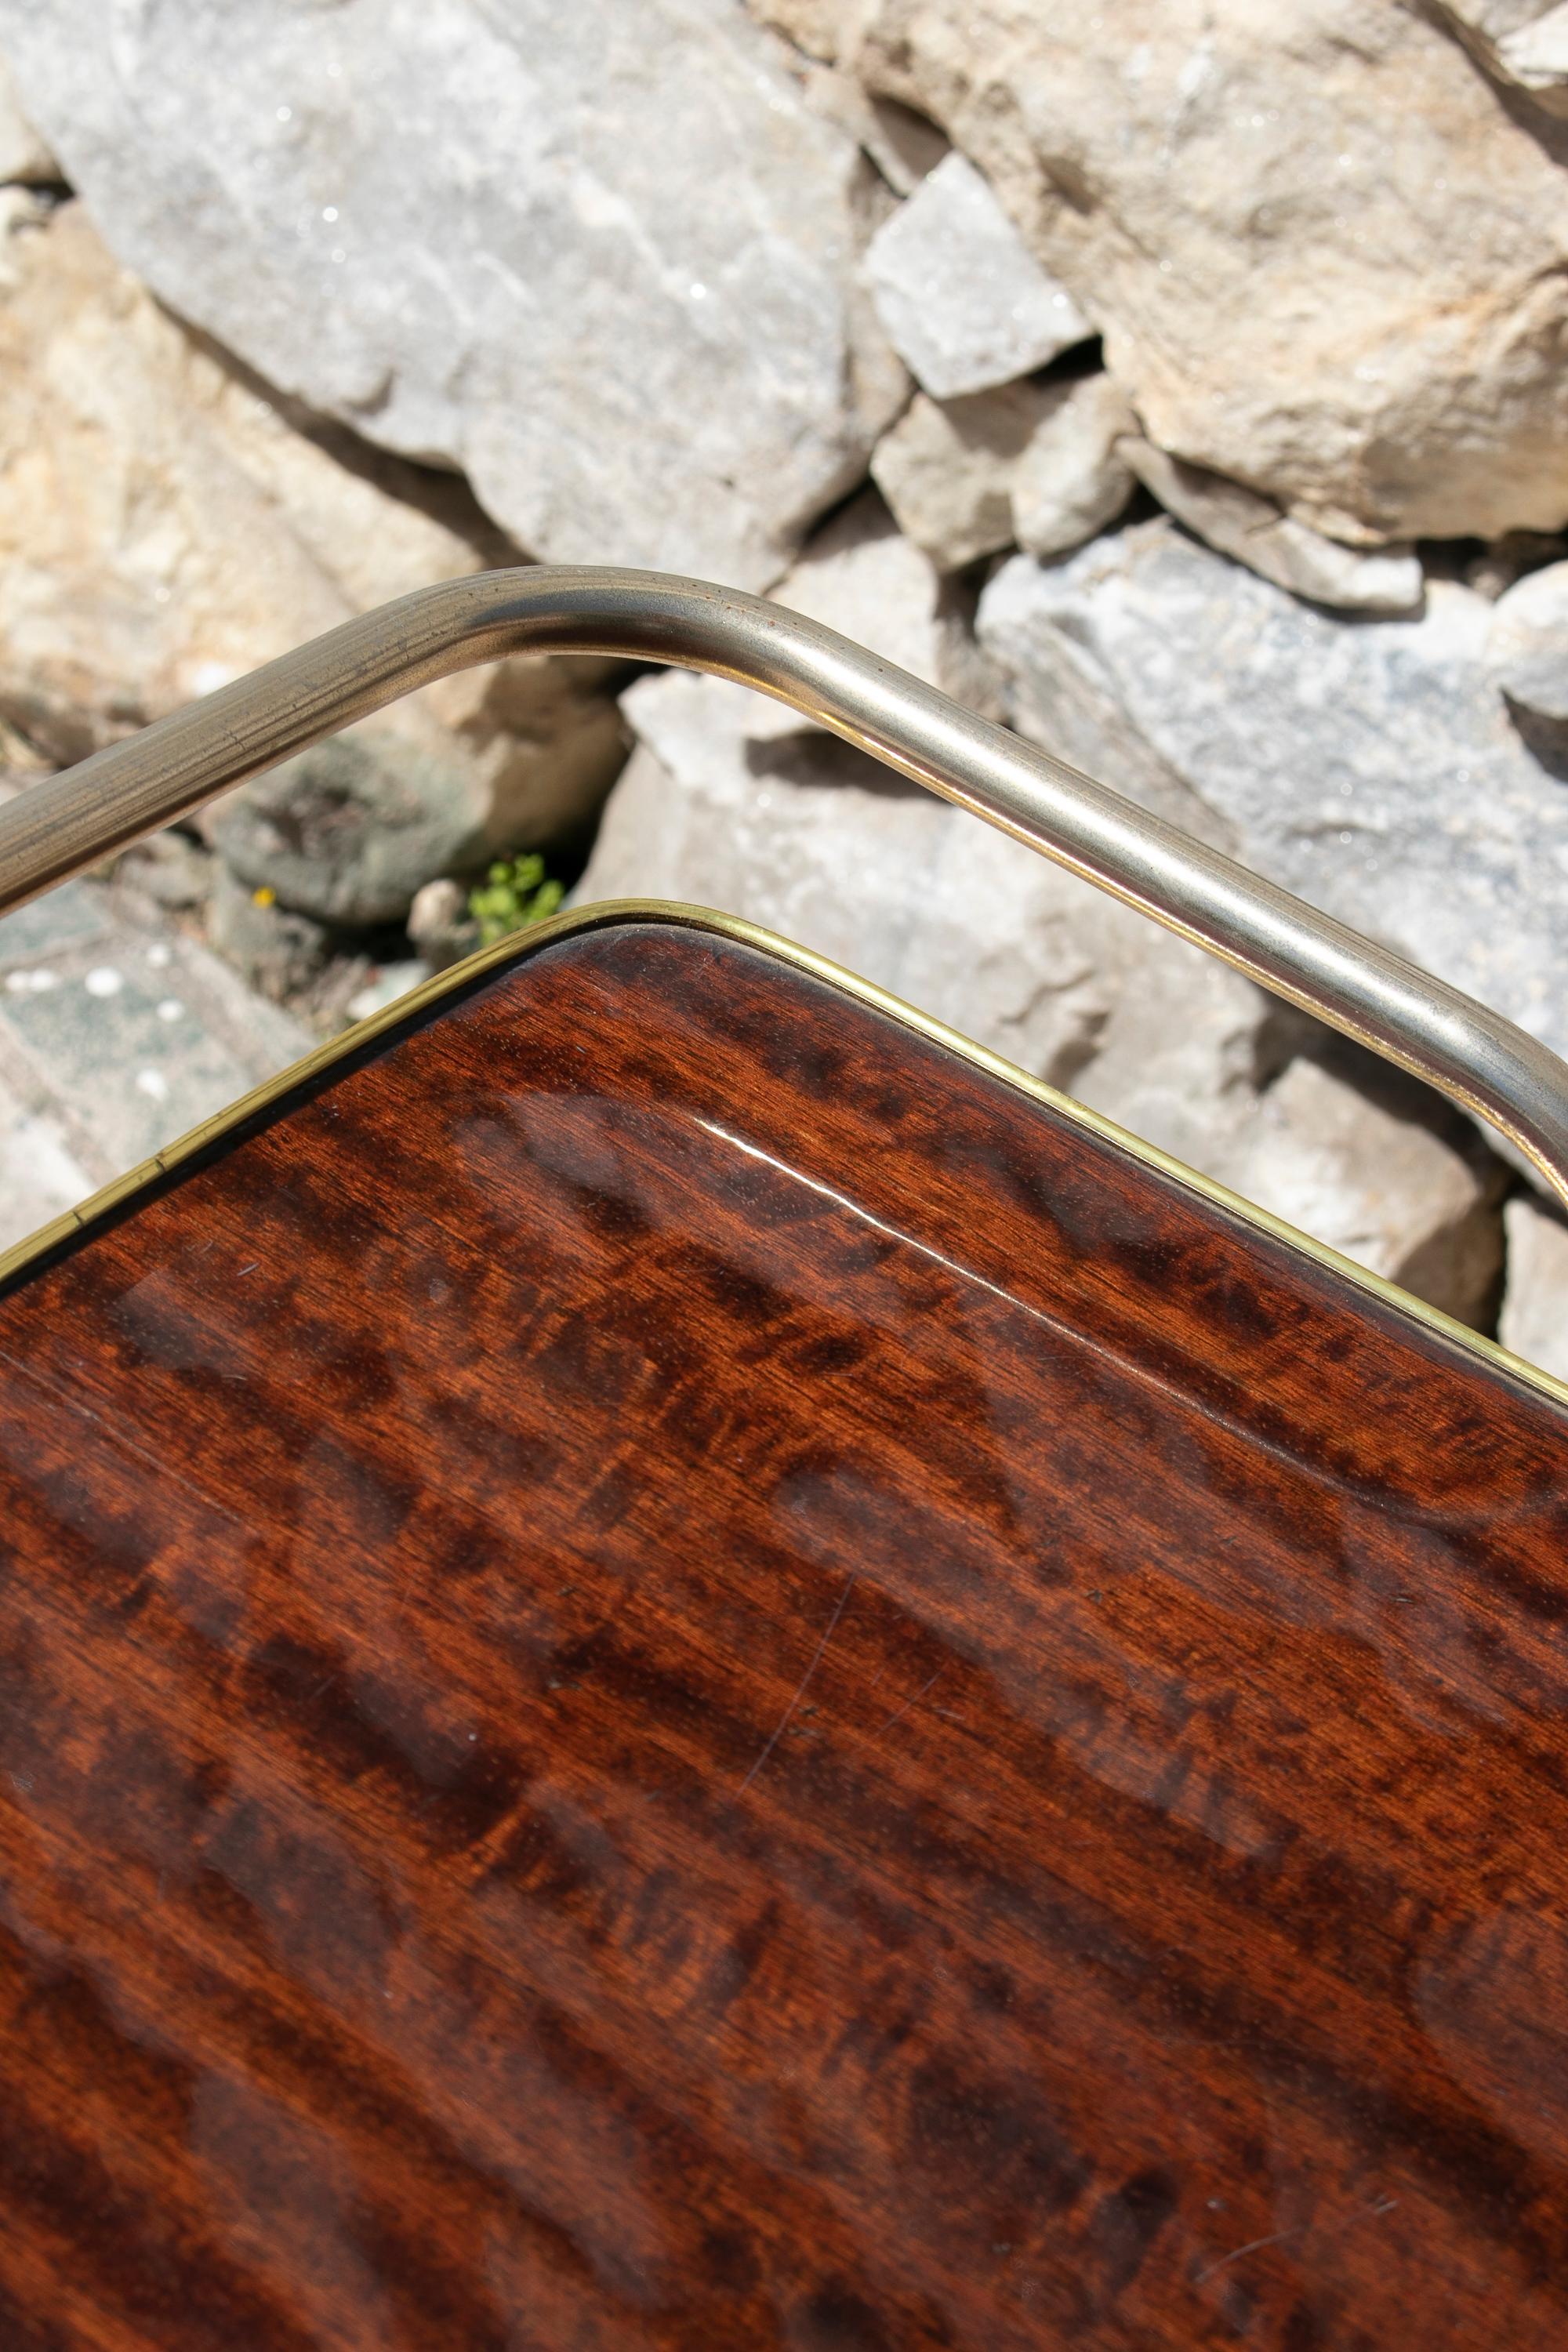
1181, 380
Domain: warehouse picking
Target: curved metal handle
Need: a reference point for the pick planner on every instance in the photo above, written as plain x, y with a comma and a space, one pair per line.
1472, 1054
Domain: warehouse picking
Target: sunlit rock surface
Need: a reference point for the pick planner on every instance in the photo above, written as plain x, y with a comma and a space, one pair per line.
604, 258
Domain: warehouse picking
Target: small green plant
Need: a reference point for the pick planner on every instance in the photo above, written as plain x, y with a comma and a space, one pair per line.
516, 892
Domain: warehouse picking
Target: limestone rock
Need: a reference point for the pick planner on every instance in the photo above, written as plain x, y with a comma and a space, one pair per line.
1072, 478
1240, 523
389, 981
946, 470
1372, 767
601, 259
347, 832
966, 305
807, 837
120, 1038
860, 576
440, 925
24, 155
1536, 58
1034, 464
165, 528
814, 840
1325, 257
1524, 42
1535, 1302
1527, 645
1494, 21
1198, 1062
1361, 1168
40, 1176
830, 30
23, 211
167, 873
273, 949
1494, 571
902, 144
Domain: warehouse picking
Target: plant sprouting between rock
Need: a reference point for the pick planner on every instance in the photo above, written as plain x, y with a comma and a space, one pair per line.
516, 893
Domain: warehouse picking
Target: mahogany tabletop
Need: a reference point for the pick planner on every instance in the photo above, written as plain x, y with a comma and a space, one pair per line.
677, 1671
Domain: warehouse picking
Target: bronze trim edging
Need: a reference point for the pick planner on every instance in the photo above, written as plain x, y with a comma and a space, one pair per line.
606, 914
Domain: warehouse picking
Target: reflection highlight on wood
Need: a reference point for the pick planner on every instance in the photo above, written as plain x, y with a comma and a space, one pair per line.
675, 1673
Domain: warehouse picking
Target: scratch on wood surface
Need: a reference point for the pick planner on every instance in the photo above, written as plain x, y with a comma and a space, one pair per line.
912, 1700
783, 1722
1253, 2246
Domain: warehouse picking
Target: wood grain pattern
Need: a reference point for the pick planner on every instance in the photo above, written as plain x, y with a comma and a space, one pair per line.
675, 1673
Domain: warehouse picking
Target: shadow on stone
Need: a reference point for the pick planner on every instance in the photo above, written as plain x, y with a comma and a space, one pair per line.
811, 757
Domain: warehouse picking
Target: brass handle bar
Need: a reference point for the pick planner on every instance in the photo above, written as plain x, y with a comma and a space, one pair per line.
1470, 1052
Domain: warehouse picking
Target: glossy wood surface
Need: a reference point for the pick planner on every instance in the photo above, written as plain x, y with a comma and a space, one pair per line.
675, 1673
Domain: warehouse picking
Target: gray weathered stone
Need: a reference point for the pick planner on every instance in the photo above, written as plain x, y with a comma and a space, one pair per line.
40, 1176
1031, 464
830, 30
1326, 257
861, 576
24, 155
440, 925
1536, 58
1361, 1168
1527, 643
1492, 21
120, 1039
165, 528
902, 144
807, 837
1071, 478
1196, 1061
603, 258
1239, 522
1494, 571
166, 874
1524, 42
963, 300
946, 470
347, 832
273, 949
1534, 1321
1370, 766
387, 985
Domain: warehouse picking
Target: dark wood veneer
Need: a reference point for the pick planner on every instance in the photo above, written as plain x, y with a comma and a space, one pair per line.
676, 1672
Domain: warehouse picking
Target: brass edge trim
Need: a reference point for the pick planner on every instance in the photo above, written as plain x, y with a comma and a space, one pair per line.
604, 914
